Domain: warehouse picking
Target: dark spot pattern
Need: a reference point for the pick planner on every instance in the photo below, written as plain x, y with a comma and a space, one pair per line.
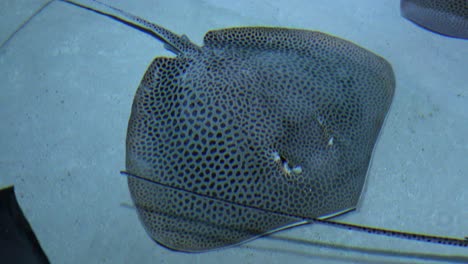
447, 17
210, 123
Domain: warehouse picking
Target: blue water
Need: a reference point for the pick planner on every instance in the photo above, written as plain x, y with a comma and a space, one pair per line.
68, 79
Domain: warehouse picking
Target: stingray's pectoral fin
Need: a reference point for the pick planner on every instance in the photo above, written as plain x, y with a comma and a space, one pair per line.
200, 232
172, 42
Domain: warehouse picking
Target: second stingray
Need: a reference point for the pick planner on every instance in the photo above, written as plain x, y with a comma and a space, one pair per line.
446, 17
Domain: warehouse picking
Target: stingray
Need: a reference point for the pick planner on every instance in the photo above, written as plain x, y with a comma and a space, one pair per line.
446, 17
258, 130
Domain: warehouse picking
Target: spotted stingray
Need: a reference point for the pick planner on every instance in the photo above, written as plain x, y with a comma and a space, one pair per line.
447, 17
258, 130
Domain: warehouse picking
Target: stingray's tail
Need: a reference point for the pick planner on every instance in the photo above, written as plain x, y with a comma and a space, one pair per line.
10, 37
452, 241
173, 42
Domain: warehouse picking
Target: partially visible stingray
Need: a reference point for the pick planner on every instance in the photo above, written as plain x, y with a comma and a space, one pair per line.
258, 130
446, 17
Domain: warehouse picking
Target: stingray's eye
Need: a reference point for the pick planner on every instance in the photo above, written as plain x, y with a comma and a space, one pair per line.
284, 165
297, 170
276, 156
326, 130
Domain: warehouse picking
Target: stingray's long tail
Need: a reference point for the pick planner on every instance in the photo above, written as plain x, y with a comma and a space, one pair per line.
175, 43
373, 230
4, 43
